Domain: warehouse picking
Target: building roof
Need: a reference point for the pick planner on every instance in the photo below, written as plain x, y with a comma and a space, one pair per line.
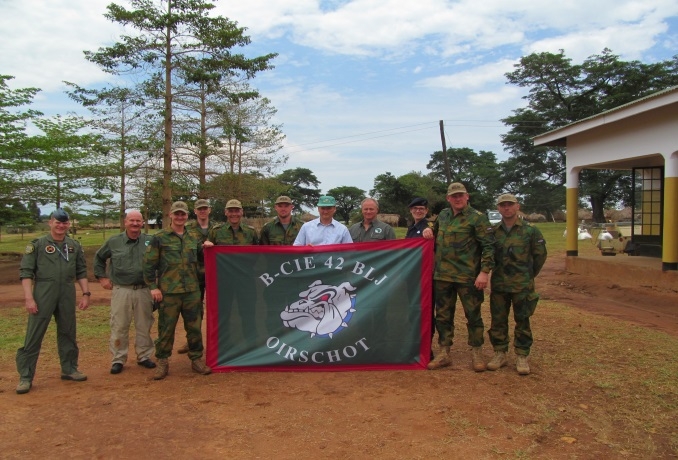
558, 136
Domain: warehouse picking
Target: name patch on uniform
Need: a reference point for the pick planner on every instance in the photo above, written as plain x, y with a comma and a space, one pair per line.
71, 249
49, 249
29, 249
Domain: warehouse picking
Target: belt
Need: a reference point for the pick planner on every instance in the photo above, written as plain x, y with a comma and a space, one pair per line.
132, 286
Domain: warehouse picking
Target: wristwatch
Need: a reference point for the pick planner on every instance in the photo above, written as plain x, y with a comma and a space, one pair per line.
87, 293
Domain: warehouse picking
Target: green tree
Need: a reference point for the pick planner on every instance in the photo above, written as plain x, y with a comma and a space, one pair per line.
561, 93
395, 193
119, 115
63, 161
348, 200
14, 183
478, 171
300, 184
172, 34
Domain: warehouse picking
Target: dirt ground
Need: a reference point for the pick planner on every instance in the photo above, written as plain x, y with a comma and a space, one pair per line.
404, 414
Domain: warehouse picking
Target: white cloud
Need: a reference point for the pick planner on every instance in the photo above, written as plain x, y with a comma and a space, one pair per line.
472, 78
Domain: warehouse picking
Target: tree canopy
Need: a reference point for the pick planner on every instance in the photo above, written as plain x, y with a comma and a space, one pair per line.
174, 35
560, 93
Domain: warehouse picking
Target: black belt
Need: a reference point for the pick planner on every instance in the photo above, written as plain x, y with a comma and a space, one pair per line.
133, 286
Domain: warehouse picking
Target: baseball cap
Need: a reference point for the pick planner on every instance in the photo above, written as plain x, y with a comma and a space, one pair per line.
201, 203
507, 197
456, 187
233, 204
179, 206
418, 201
60, 215
283, 199
327, 200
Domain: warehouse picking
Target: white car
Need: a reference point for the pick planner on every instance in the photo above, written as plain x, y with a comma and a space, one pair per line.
494, 217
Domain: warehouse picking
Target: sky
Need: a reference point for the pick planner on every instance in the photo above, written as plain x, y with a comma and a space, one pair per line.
361, 85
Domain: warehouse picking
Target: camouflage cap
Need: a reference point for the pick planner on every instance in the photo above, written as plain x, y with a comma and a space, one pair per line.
60, 215
507, 198
456, 187
201, 203
178, 206
233, 204
326, 201
284, 199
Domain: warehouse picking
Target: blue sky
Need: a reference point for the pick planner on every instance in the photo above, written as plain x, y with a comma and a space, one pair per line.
361, 85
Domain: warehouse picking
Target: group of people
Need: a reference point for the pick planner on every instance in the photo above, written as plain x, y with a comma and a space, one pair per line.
166, 271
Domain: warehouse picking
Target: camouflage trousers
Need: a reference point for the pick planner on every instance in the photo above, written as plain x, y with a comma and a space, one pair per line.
524, 304
189, 306
446, 294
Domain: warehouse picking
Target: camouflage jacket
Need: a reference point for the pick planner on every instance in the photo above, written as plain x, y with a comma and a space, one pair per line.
46, 260
520, 255
273, 233
225, 235
464, 245
194, 229
171, 263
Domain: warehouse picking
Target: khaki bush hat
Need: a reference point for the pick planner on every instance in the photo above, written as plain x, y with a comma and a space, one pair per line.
202, 203
179, 206
456, 187
233, 204
284, 199
507, 198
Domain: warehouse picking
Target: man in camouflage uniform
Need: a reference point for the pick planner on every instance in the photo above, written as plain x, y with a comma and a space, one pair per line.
283, 229
199, 229
464, 258
520, 255
48, 269
234, 233
171, 272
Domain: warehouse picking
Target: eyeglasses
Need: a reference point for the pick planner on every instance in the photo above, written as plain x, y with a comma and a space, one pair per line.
418, 209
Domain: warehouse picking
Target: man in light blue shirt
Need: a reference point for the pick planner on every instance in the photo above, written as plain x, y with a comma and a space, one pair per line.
324, 229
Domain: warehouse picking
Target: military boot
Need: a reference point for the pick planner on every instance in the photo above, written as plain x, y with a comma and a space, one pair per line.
498, 361
183, 350
199, 366
23, 387
161, 370
477, 358
442, 360
521, 365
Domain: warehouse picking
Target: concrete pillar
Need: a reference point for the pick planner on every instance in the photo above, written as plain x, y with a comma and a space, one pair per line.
572, 212
670, 227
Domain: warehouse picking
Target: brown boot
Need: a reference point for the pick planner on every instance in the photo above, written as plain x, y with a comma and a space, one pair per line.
498, 361
161, 370
442, 360
199, 366
477, 358
521, 365
183, 350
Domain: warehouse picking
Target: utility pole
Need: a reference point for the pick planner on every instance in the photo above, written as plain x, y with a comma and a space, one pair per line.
448, 174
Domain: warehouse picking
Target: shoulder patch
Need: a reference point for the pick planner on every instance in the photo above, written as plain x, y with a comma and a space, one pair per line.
29, 249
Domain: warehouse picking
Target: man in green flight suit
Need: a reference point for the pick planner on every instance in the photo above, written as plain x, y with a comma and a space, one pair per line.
520, 255
464, 257
48, 269
171, 273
